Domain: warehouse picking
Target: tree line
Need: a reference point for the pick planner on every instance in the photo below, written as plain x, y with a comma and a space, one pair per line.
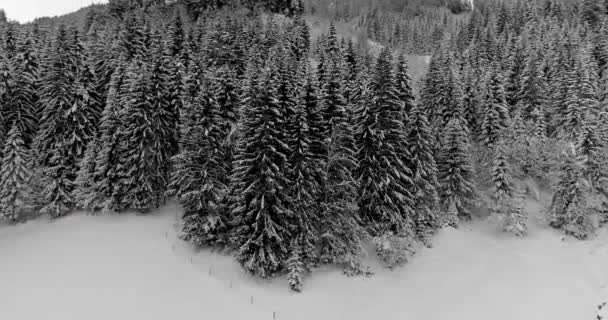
528, 79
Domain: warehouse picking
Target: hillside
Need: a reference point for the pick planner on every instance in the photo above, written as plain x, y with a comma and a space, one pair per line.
133, 267
353, 159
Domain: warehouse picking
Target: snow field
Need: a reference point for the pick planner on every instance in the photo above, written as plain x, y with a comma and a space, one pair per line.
134, 267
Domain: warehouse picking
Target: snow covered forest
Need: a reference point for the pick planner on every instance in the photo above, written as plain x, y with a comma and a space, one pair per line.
291, 145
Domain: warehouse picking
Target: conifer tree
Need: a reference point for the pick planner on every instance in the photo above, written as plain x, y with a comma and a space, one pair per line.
142, 151
603, 126
385, 201
168, 86
532, 87
589, 150
68, 121
516, 65
22, 100
456, 175
333, 104
332, 141
540, 123
572, 205
503, 190
15, 178
424, 174
470, 102
199, 178
306, 174
579, 101
84, 191
405, 92
429, 96
102, 195
177, 38
451, 101
332, 49
495, 112
353, 86
260, 208
516, 221
6, 84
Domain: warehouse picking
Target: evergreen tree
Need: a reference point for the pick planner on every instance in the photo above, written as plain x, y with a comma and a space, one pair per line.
590, 152
580, 99
424, 174
603, 126
142, 149
332, 49
495, 112
341, 232
532, 87
405, 93
68, 121
199, 177
456, 175
571, 207
84, 191
15, 178
516, 65
22, 98
103, 194
260, 208
503, 190
385, 201
307, 176
470, 103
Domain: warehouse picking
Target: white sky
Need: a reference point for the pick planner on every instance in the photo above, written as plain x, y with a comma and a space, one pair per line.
28, 10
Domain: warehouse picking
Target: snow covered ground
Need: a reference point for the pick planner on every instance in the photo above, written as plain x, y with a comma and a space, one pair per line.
133, 267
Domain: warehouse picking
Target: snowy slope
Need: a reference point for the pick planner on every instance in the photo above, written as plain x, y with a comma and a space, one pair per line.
133, 267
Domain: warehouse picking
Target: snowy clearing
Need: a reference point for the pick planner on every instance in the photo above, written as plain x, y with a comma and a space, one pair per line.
133, 267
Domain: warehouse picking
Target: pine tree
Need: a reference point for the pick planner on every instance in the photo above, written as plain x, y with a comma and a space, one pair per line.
429, 96
456, 175
260, 208
571, 207
470, 103
306, 174
590, 153
516, 65
295, 267
142, 151
503, 190
424, 174
199, 177
102, 195
405, 92
532, 87
23, 93
385, 201
495, 112
341, 232
580, 99
6, 84
84, 192
516, 221
15, 178
540, 123
603, 125
332, 49
68, 121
